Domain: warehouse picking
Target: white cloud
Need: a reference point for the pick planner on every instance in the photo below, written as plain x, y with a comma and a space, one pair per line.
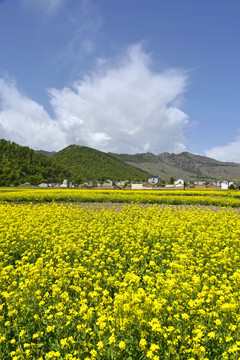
122, 107
126, 104
229, 152
26, 122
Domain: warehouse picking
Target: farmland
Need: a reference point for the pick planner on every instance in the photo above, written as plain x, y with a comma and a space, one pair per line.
155, 278
224, 198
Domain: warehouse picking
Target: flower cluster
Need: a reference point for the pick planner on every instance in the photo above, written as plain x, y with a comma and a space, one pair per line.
224, 198
140, 283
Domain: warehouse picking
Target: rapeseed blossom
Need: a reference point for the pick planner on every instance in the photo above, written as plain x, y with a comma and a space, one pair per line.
142, 283
176, 197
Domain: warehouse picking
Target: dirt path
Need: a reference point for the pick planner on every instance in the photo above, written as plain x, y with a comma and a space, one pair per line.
119, 206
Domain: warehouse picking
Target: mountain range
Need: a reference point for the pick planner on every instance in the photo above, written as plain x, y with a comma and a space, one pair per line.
19, 164
185, 165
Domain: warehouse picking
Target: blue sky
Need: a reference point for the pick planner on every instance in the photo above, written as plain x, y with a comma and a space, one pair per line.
122, 76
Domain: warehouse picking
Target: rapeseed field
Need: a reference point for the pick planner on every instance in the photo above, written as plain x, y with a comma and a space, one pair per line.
135, 284
222, 198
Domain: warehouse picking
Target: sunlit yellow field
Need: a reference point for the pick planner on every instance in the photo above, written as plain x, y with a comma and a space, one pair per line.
137, 283
226, 198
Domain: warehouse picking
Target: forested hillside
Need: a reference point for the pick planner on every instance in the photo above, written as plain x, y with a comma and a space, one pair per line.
20, 164
89, 164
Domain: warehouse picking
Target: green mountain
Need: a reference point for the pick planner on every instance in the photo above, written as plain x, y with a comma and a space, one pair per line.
89, 164
20, 164
185, 165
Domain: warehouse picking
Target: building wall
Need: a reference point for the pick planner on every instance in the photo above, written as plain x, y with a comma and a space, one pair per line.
224, 186
137, 186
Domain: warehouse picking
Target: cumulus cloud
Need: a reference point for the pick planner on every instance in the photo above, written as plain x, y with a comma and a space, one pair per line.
24, 121
125, 107
229, 152
122, 106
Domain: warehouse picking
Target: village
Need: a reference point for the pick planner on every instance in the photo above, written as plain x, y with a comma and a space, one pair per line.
153, 183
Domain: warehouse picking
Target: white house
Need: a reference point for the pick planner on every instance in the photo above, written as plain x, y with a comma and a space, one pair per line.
153, 180
179, 182
108, 183
64, 184
224, 185
121, 183
43, 185
201, 182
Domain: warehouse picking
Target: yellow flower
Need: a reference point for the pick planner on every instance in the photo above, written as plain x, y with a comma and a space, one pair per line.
27, 352
95, 275
185, 316
111, 339
150, 354
2, 339
211, 335
142, 343
50, 328
93, 353
52, 354
122, 345
218, 322
64, 342
100, 345
22, 334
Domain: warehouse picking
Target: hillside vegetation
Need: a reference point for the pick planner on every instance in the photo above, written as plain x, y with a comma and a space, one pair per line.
20, 164
89, 164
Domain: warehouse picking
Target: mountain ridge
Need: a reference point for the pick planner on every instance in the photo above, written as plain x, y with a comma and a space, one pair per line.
186, 165
19, 164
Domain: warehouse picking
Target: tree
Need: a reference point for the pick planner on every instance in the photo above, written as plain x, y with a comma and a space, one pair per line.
78, 180
171, 180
